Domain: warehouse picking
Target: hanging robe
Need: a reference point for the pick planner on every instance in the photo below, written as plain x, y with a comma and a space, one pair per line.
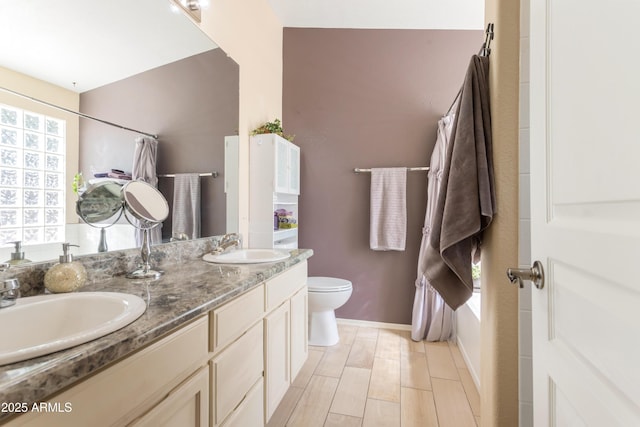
432, 318
144, 169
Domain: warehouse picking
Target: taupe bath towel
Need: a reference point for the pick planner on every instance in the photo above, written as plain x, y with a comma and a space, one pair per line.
388, 226
186, 206
466, 203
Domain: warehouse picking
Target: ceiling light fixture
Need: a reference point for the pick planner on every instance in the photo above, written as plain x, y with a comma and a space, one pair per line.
191, 7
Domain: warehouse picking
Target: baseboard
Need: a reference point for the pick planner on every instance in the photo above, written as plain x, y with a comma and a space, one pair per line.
467, 361
370, 324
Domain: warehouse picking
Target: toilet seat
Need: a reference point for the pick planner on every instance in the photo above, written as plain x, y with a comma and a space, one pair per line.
327, 284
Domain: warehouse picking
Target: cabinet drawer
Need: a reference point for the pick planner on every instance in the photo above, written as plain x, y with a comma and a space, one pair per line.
281, 287
251, 410
187, 405
234, 318
119, 394
234, 371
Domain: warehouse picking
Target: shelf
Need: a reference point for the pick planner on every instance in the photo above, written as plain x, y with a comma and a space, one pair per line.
274, 184
284, 233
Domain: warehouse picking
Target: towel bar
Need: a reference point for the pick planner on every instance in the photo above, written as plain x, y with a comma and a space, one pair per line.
421, 168
173, 175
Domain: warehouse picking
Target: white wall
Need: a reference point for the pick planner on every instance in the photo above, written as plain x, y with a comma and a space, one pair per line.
524, 250
499, 326
250, 33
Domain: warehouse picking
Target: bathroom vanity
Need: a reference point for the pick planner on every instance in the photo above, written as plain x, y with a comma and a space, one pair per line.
218, 345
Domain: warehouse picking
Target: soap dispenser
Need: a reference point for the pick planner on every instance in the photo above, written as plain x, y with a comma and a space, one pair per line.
66, 276
17, 257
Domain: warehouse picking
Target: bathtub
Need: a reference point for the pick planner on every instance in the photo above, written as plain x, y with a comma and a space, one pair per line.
119, 236
468, 335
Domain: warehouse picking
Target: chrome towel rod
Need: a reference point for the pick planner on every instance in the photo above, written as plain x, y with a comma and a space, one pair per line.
421, 168
173, 175
77, 113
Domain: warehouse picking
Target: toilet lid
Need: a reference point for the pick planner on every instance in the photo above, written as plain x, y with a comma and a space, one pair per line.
327, 284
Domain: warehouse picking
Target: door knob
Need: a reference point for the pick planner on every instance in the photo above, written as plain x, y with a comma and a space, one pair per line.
534, 274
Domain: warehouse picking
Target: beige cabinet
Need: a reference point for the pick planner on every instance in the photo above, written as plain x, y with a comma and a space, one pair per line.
250, 412
186, 406
234, 372
277, 357
229, 368
285, 340
237, 363
299, 331
123, 392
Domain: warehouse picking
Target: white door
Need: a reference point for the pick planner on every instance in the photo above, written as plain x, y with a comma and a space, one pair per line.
585, 174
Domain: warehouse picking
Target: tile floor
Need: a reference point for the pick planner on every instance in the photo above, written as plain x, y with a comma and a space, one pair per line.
380, 377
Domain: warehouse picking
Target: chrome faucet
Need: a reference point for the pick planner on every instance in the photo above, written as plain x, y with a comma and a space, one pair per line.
9, 292
227, 242
9, 288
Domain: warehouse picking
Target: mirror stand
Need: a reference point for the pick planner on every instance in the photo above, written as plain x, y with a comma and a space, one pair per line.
145, 271
102, 244
147, 205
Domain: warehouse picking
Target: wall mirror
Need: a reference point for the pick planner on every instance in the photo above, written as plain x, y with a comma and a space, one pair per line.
126, 63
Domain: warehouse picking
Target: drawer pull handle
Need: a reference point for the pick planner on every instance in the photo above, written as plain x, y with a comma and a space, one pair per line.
240, 403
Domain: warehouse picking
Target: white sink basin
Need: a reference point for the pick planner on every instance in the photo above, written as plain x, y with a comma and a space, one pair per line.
248, 256
43, 324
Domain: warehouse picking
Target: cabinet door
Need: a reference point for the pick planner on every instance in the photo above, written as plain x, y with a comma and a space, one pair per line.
277, 348
281, 170
186, 406
294, 169
299, 331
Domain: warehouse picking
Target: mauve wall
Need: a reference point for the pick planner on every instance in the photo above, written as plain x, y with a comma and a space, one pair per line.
367, 98
191, 104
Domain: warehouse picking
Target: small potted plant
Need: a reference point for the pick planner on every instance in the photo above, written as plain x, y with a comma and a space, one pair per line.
475, 275
272, 127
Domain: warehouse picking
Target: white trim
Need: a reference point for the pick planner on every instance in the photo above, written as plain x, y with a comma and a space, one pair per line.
467, 361
370, 324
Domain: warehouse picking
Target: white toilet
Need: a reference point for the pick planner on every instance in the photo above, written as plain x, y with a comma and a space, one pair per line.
325, 295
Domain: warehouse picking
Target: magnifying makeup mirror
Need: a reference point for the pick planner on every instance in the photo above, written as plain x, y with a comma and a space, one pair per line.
149, 208
100, 206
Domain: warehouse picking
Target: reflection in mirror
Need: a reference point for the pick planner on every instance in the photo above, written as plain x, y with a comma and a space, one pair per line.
146, 204
100, 203
148, 82
100, 206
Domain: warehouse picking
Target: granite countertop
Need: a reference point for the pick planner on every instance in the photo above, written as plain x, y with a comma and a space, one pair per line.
185, 291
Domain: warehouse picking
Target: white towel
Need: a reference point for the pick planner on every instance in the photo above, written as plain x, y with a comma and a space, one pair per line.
388, 229
186, 206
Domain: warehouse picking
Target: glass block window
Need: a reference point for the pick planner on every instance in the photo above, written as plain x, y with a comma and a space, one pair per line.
32, 176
